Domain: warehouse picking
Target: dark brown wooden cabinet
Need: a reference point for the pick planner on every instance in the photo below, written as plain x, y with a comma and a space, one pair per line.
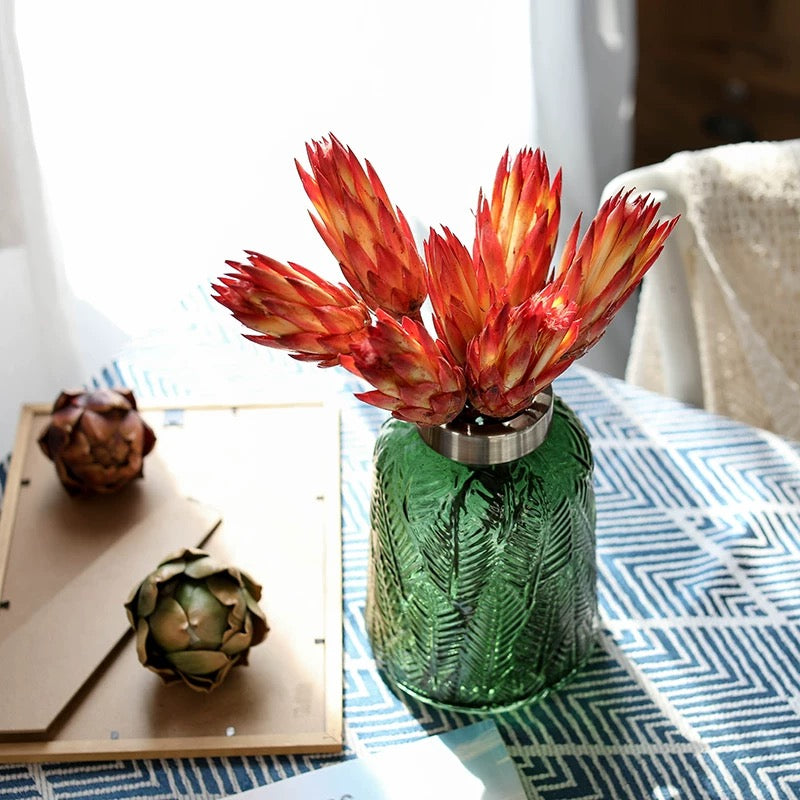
713, 72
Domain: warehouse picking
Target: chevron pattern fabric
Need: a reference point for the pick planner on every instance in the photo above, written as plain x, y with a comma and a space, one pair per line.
694, 691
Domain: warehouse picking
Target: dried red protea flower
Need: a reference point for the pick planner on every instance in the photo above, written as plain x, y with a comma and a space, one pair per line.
519, 352
413, 375
621, 244
293, 309
508, 320
97, 440
516, 230
370, 238
460, 294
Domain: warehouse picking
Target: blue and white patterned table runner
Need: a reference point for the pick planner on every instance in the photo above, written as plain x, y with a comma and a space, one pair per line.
694, 690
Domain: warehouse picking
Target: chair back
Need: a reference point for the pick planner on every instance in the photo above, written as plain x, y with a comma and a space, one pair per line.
718, 323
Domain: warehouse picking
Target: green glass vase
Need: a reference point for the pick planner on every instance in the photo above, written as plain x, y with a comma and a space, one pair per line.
482, 576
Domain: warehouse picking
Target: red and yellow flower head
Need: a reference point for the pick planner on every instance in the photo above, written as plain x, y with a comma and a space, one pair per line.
508, 322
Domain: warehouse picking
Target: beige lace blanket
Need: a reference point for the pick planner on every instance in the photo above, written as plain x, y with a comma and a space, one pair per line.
742, 265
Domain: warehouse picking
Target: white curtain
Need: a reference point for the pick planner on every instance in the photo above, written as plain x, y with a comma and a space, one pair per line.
584, 69
38, 347
166, 133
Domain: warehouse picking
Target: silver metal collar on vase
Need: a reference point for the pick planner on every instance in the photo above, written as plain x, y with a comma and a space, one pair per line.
497, 442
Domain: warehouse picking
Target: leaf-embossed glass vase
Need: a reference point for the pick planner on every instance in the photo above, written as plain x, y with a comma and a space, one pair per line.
482, 575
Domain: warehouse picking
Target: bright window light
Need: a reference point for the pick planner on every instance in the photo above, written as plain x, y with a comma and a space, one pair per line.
166, 131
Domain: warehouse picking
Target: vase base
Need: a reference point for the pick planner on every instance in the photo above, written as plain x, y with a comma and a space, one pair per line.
488, 708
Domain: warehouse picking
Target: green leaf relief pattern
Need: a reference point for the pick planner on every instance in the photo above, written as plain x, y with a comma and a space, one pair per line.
482, 580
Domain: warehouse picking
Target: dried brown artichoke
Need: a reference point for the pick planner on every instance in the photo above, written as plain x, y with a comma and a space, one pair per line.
97, 440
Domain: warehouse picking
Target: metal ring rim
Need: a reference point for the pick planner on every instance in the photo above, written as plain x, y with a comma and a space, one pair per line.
497, 442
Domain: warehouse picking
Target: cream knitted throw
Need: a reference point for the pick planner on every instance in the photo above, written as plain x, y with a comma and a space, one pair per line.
743, 273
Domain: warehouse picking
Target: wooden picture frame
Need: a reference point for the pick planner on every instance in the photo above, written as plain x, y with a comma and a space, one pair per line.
259, 487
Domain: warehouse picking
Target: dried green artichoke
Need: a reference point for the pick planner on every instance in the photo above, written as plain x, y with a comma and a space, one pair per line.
195, 619
97, 440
